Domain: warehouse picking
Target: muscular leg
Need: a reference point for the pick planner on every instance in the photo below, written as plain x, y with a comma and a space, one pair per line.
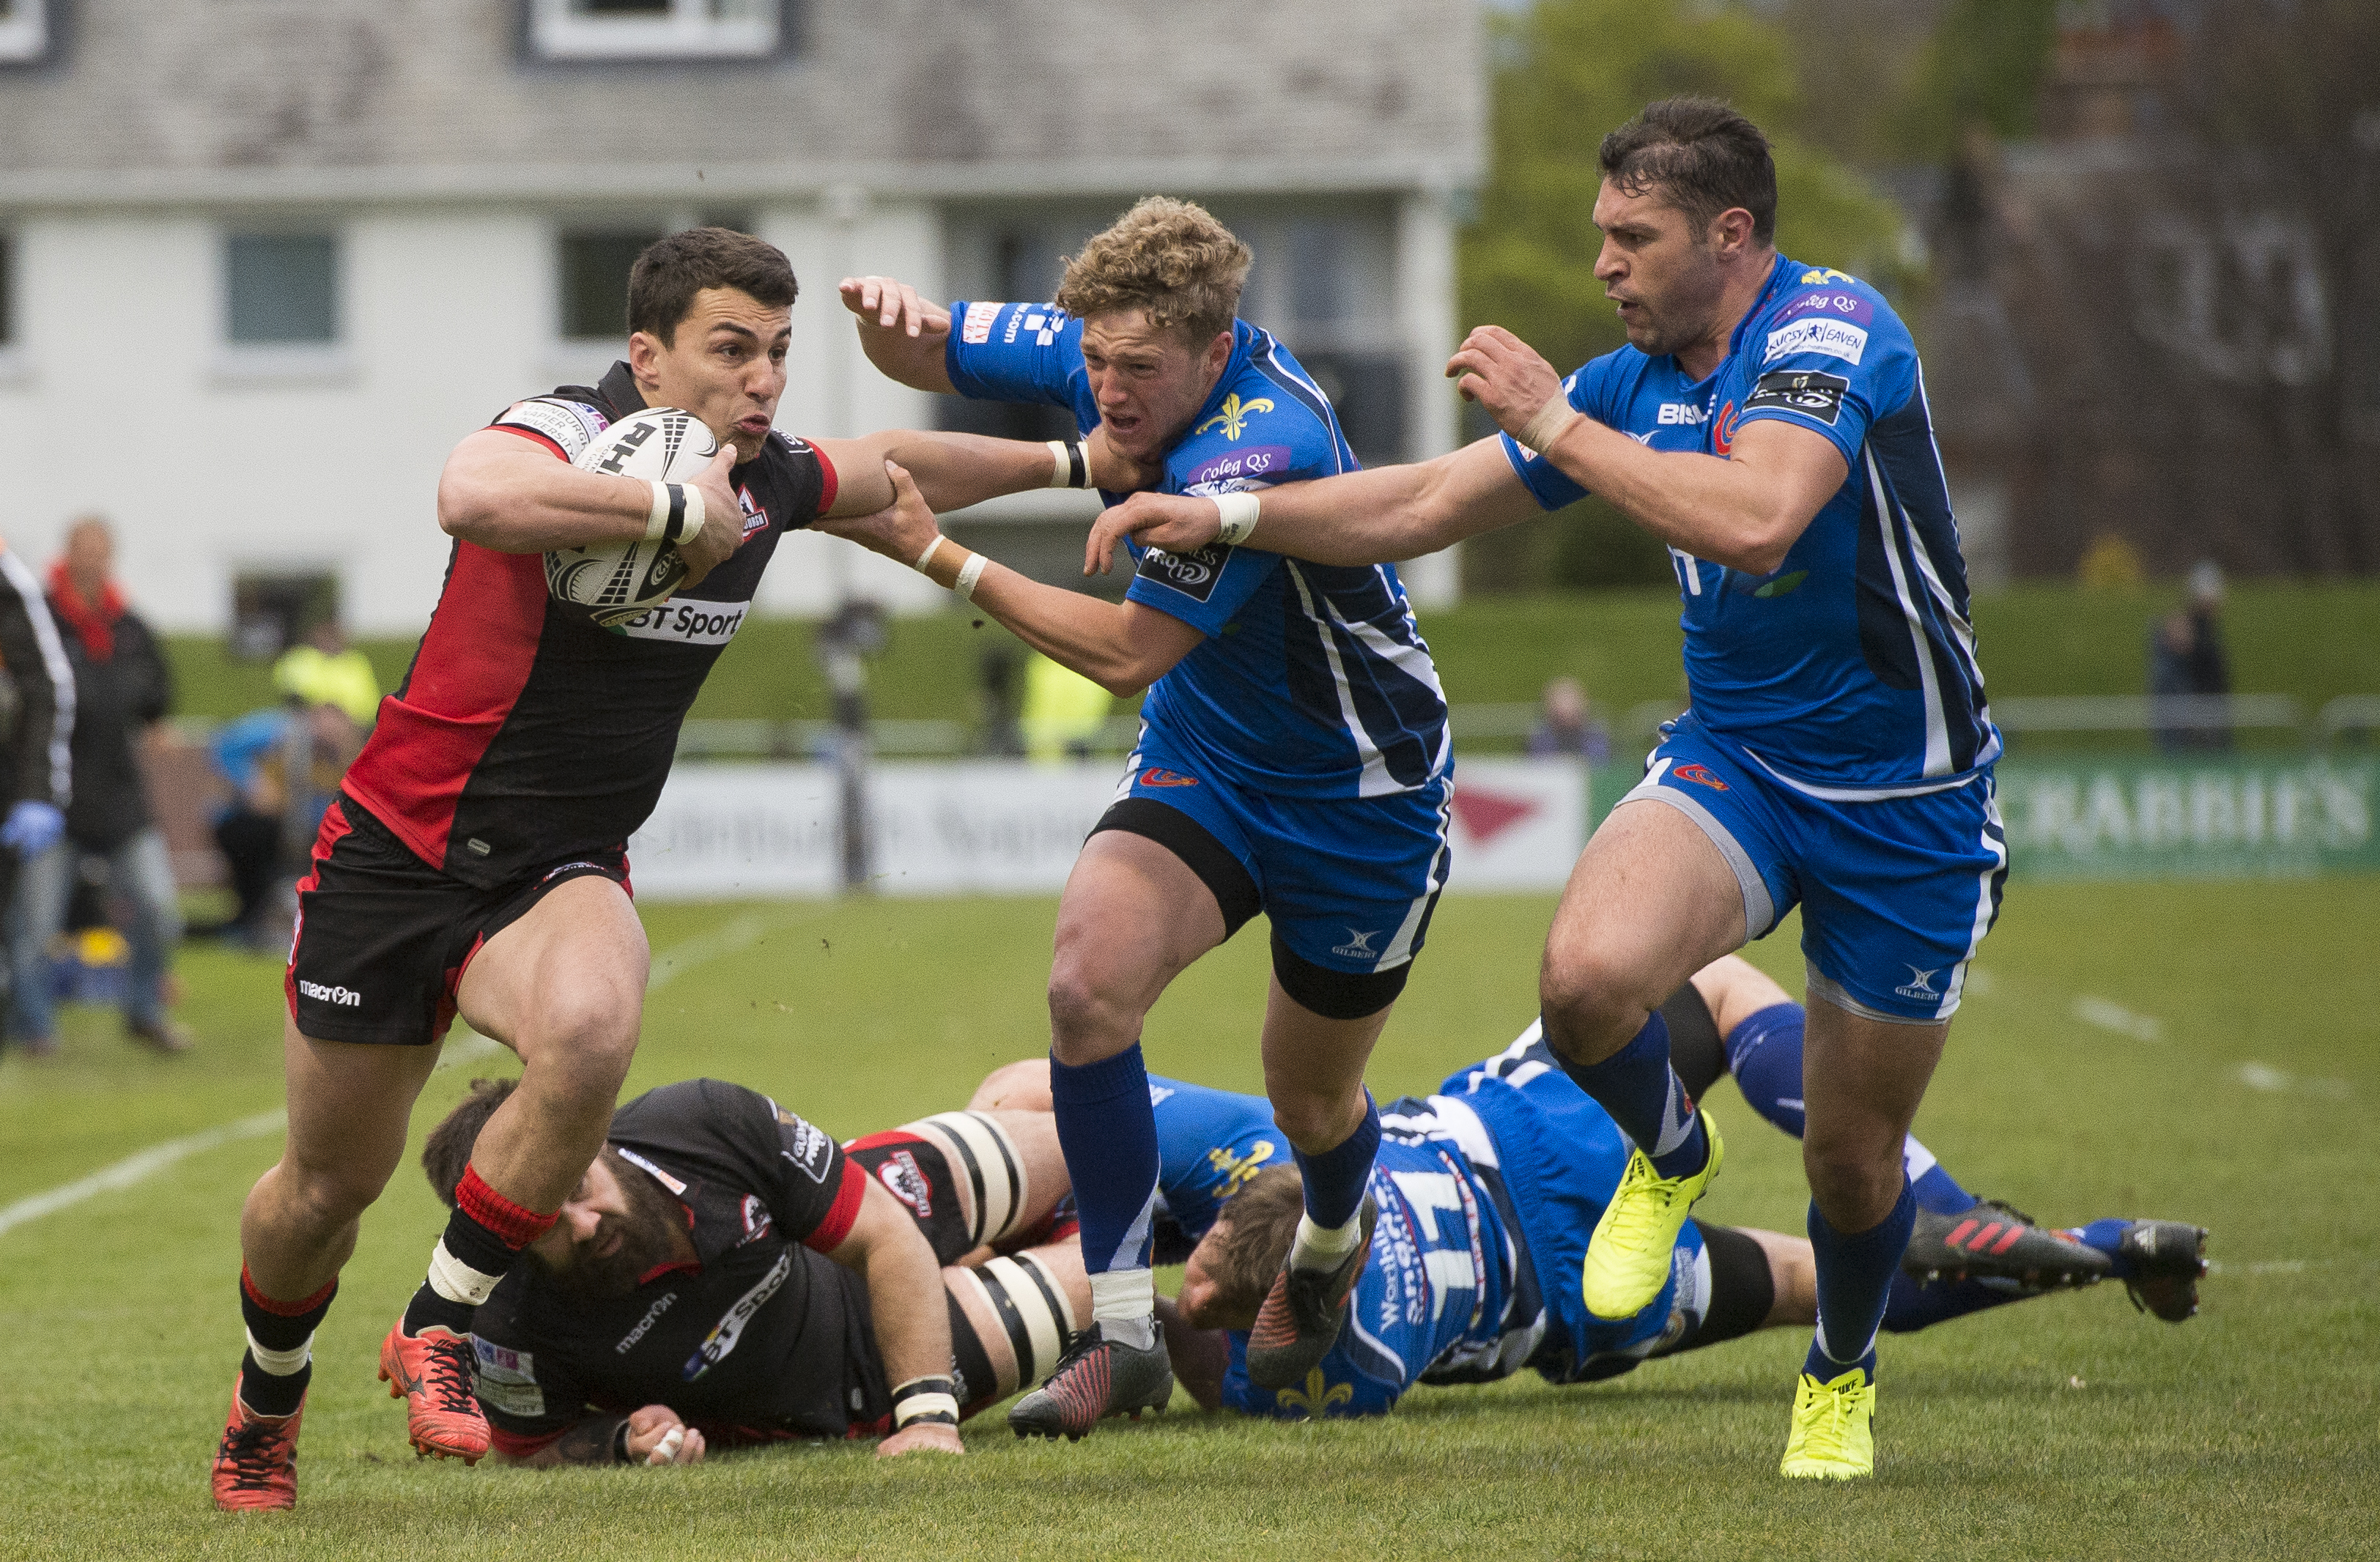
1006, 1307
1863, 1079
1314, 1075
1133, 915
347, 1109
563, 987
1650, 902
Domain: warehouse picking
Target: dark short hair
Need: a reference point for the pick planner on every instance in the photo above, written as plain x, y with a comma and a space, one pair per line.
1253, 1232
1703, 156
662, 283
448, 1152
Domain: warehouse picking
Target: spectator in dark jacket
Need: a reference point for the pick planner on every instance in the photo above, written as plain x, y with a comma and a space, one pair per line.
2187, 661
122, 687
36, 727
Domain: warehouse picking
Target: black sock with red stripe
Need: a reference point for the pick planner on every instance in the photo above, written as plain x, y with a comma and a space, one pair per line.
484, 1235
279, 1360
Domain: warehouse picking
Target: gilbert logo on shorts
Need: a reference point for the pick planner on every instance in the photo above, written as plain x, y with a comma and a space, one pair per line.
1159, 776
1359, 945
343, 996
1920, 984
1700, 775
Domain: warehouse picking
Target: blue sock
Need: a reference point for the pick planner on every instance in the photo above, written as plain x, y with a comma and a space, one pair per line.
2108, 1235
1335, 1179
1854, 1279
1915, 1304
1764, 1053
1649, 1101
1108, 1132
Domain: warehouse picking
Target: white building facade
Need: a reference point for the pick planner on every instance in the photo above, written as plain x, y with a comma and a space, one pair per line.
263, 262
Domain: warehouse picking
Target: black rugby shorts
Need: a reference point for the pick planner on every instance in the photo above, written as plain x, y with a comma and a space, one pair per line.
382, 937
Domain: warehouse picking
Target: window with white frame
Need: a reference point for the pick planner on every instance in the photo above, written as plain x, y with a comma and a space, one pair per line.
24, 29
281, 290
633, 29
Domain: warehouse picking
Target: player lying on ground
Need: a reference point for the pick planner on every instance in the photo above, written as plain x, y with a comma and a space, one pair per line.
475, 861
1292, 759
725, 1274
1768, 421
1488, 1192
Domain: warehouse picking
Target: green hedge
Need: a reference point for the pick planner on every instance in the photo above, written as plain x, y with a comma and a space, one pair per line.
2313, 641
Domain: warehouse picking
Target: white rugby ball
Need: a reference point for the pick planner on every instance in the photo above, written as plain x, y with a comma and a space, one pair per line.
614, 582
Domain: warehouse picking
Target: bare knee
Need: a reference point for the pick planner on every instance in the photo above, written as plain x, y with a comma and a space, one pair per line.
320, 1197
1089, 1020
1854, 1189
1021, 1086
581, 1050
1317, 1123
1593, 1001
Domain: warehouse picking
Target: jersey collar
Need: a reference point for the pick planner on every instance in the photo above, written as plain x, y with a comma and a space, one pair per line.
618, 389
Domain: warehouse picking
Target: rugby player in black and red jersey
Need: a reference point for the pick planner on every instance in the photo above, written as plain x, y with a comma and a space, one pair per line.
474, 862
726, 1273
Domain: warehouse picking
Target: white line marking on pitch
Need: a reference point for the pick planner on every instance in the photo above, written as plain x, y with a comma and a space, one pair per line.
2109, 1015
139, 1166
2264, 1076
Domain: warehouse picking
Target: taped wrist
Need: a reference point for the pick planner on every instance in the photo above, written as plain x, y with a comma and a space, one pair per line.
676, 512
1550, 423
1070, 463
1239, 516
932, 1399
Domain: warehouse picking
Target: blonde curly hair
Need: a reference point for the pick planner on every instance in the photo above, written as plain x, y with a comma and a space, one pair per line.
1168, 257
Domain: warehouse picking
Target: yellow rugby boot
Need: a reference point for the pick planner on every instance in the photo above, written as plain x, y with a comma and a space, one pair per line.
1833, 1429
1628, 1256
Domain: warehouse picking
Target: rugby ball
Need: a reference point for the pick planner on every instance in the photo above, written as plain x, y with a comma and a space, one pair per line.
611, 583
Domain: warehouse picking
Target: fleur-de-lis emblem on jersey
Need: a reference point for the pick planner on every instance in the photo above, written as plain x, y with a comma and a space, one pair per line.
1239, 1171
1236, 415
1319, 1395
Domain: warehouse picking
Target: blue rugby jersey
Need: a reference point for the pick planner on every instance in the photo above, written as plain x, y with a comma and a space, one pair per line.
1850, 672
1313, 680
1211, 1143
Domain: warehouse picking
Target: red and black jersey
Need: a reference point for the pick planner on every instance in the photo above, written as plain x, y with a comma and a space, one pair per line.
522, 735
760, 1338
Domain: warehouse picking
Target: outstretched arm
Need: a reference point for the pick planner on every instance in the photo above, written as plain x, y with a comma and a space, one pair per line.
904, 1302
902, 333
1369, 517
1123, 647
954, 471
1743, 510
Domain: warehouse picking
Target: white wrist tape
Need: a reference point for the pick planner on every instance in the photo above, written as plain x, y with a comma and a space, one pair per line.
969, 573
936, 1405
1552, 422
1069, 464
656, 523
932, 549
1239, 512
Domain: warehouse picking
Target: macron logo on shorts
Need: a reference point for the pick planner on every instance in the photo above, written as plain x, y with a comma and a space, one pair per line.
343, 996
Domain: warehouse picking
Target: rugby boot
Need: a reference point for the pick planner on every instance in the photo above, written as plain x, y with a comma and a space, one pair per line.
2167, 1258
1834, 1432
256, 1464
1096, 1378
1303, 1313
432, 1373
1628, 1256
1995, 1242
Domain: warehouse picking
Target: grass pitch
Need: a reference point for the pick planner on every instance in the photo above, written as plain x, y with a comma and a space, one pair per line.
2227, 1078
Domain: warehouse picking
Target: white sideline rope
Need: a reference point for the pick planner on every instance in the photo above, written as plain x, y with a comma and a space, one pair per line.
139, 1166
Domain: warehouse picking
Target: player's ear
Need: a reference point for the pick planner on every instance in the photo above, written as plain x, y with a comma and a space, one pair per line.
1219, 352
644, 356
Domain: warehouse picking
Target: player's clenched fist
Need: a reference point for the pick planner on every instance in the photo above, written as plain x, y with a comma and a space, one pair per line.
656, 1436
1505, 375
891, 305
1175, 522
722, 519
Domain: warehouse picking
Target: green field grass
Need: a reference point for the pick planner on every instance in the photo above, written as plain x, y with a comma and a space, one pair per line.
2313, 640
2065, 1427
